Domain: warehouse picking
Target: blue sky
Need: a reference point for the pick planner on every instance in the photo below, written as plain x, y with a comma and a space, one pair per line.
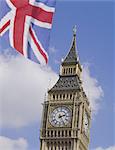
95, 36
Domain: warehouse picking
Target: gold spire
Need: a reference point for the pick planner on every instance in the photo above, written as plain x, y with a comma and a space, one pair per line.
74, 30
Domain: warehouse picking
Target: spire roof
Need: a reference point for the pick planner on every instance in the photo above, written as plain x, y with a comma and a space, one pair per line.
71, 57
67, 83
69, 80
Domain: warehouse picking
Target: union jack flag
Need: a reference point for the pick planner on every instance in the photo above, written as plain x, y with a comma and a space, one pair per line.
29, 23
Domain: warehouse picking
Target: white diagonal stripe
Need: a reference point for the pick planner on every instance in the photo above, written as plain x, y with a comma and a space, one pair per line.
41, 24
39, 56
42, 5
4, 20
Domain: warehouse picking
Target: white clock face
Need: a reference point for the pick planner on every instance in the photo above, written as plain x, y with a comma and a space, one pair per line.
86, 123
60, 117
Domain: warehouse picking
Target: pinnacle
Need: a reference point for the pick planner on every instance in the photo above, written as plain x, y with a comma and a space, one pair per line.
71, 57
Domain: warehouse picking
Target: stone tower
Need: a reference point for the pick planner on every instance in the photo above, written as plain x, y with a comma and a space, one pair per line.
66, 113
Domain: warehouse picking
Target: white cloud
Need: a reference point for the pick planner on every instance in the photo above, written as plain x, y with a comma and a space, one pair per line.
12, 144
92, 88
109, 148
22, 88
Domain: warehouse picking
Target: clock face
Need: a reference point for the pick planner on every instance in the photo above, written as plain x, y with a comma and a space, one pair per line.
86, 123
60, 117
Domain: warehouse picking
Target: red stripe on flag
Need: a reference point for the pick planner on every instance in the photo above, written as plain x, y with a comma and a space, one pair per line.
38, 46
5, 26
18, 32
39, 14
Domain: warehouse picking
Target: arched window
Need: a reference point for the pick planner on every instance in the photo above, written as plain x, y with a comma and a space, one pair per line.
69, 133
58, 145
74, 70
51, 133
53, 96
48, 145
67, 96
58, 133
62, 145
57, 96
48, 133
66, 133
70, 96
71, 70
55, 145
69, 144
62, 133
76, 133
64, 70
55, 133
66, 146
51, 146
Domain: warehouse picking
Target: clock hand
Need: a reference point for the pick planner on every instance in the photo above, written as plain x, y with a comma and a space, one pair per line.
60, 116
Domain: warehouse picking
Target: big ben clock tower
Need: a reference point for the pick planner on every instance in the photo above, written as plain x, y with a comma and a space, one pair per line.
66, 113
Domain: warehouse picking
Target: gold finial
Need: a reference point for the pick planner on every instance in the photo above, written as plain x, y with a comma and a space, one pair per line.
74, 30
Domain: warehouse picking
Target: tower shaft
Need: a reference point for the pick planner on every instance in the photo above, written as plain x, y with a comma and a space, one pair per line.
66, 114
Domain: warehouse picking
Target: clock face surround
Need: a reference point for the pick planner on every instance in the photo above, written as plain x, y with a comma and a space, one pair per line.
60, 116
